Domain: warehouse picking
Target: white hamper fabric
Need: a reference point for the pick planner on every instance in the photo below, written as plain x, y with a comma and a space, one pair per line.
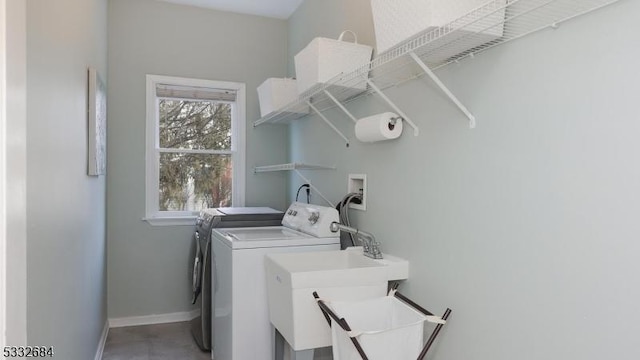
395, 21
323, 59
389, 329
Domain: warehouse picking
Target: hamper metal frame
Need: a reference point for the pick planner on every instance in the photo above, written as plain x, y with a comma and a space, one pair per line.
342, 322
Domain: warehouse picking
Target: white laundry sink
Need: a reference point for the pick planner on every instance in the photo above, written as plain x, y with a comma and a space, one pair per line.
336, 276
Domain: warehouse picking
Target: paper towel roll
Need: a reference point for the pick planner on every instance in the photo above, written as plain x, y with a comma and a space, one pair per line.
379, 127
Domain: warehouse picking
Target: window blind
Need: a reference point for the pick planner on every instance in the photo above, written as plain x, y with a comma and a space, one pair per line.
194, 93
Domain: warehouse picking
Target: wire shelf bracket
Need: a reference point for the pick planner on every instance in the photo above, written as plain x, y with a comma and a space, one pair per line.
324, 118
296, 167
313, 187
339, 104
444, 88
384, 97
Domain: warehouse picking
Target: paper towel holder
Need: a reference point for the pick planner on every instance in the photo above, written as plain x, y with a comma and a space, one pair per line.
379, 127
384, 97
392, 122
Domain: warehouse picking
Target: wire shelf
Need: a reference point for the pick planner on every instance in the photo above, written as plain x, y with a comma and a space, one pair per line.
460, 39
291, 166
295, 167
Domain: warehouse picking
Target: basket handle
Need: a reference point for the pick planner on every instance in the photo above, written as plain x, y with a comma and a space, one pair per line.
355, 37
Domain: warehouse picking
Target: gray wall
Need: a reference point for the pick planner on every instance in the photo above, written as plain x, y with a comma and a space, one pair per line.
148, 266
66, 250
16, 170
527, 227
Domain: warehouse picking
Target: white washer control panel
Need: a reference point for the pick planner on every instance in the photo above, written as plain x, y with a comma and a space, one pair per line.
311, 219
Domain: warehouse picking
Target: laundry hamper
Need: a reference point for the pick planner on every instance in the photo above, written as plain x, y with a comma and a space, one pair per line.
323, 59
395, 21
385, 328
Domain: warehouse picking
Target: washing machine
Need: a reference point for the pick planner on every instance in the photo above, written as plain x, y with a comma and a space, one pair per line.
200, 264
241, 317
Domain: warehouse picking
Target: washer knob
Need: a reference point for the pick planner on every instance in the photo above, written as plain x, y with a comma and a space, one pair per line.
315, 216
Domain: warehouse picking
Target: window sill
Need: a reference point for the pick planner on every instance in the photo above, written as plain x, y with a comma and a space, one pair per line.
189, 220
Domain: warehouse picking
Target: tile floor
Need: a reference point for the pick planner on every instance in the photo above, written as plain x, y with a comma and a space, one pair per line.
153, 342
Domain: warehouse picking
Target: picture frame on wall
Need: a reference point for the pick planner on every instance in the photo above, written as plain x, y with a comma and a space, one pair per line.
97, 153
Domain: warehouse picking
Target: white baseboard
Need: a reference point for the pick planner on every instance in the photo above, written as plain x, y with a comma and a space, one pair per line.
103, 340
153, 319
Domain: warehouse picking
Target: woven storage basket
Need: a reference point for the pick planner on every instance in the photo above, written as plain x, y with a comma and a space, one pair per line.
396, 21
274, 94
323, 59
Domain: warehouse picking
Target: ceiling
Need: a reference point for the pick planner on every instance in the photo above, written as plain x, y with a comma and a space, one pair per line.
280, 9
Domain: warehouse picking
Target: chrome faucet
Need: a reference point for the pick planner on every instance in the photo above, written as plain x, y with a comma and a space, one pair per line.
370, 246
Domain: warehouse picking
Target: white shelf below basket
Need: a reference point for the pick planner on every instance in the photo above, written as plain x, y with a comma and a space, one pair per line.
295, 167
291, 166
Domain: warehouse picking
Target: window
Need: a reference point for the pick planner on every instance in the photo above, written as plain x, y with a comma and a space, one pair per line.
195, 147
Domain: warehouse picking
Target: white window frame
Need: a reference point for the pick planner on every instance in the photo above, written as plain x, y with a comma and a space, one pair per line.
238, 148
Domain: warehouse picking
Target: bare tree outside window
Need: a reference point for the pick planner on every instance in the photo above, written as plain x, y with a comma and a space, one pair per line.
195, 154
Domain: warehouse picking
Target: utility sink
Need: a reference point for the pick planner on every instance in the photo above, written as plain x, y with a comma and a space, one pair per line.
344, 275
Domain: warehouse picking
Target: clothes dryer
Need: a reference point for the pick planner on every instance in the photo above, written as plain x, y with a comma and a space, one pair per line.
200, 266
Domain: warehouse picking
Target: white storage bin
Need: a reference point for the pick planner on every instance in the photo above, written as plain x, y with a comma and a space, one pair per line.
275, 93
388, 329
323, 59
395, 21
